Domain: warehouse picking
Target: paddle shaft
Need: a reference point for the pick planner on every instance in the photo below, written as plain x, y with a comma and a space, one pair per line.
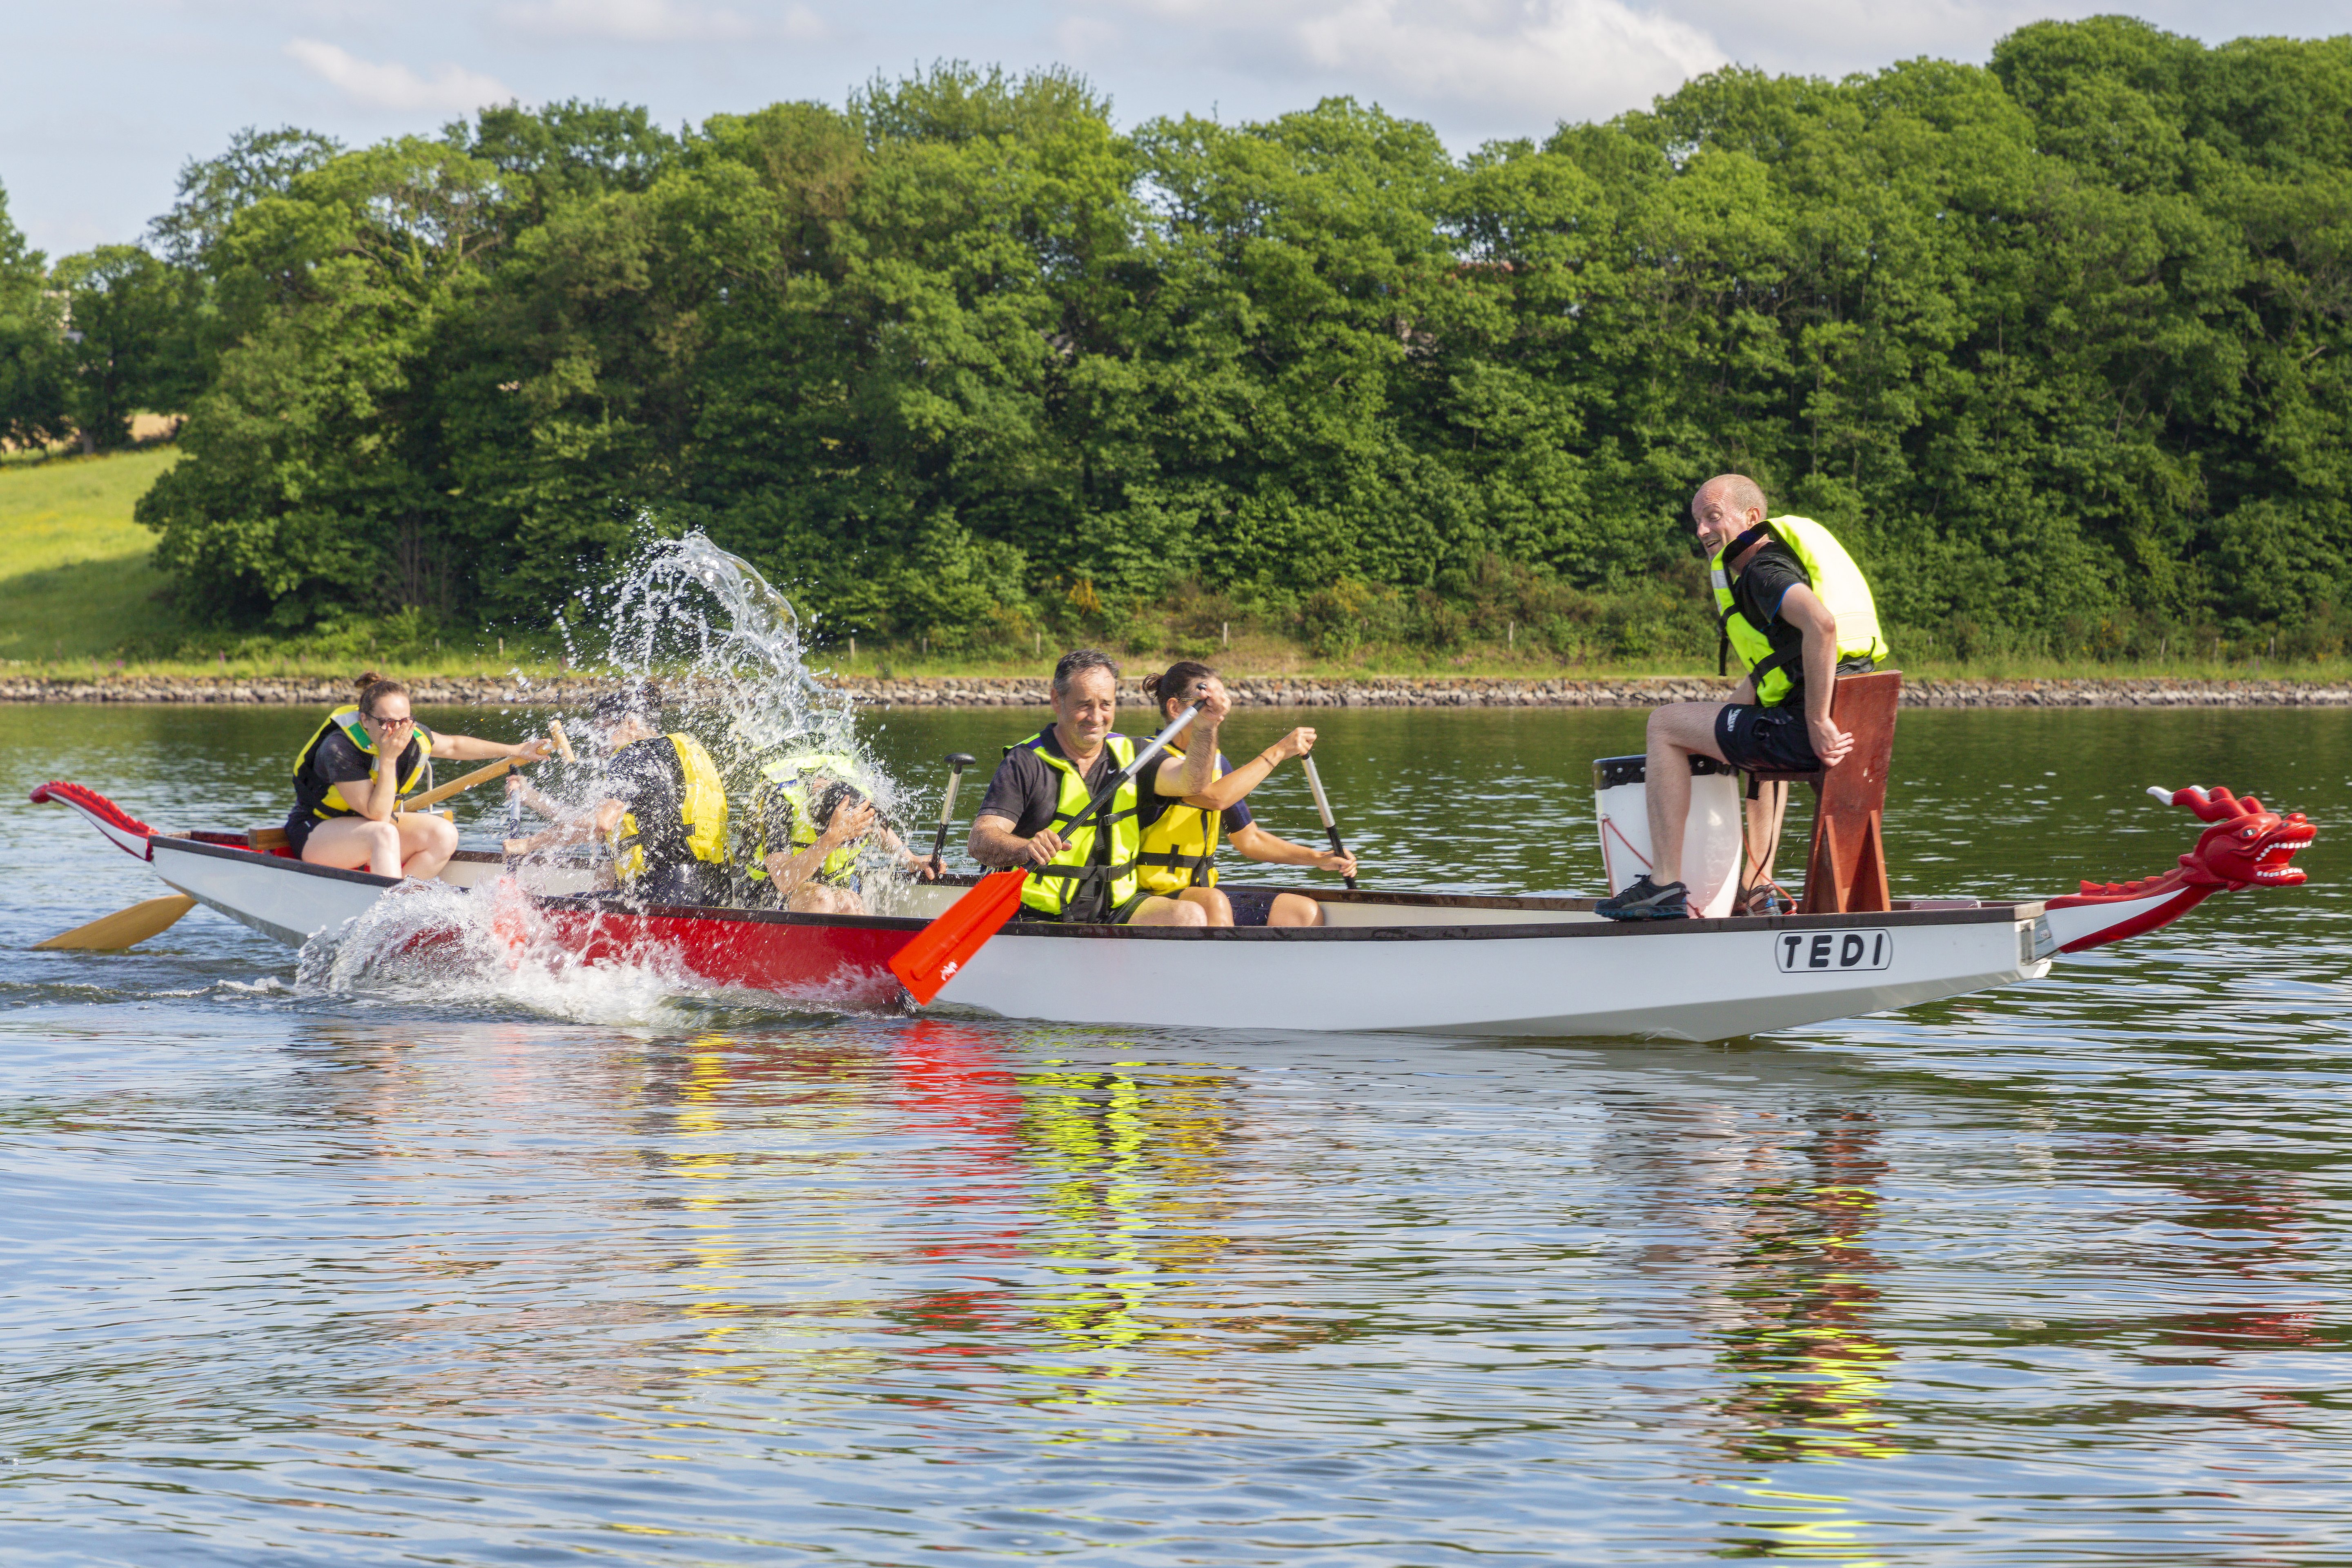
483, 775
1323, 810
1118, 780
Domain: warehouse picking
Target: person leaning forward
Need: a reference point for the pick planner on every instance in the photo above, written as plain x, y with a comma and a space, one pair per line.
1796, 609
347, 803
1045, 782
663, 811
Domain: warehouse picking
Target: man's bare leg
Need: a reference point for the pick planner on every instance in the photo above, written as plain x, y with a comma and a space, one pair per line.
1158, 912
1764, 814
1216, 909
1676, 733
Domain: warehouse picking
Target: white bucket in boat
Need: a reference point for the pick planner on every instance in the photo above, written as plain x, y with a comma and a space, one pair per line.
1711, 839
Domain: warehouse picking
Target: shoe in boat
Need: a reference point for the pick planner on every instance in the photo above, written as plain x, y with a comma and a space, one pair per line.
1645, 900
1763, 898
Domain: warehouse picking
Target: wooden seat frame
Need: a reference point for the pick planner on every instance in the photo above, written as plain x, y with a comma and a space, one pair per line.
1846, 872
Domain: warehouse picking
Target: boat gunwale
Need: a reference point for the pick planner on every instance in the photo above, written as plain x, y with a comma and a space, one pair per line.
1988, 912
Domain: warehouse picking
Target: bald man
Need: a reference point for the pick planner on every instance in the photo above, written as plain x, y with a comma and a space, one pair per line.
1796, 610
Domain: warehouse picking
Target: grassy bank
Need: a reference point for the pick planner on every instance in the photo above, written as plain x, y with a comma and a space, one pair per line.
76, 574
79, 590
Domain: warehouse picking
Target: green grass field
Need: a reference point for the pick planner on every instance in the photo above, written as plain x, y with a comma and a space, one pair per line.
75, 572
77, 580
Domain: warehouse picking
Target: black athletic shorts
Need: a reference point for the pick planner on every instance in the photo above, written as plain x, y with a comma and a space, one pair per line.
1756, 738
1252, 906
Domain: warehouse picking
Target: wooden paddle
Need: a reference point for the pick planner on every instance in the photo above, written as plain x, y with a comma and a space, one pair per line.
952, 940
1323, 810
122, 928
484, 776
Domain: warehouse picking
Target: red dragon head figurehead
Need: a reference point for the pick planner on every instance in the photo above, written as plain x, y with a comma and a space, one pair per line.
2247, 846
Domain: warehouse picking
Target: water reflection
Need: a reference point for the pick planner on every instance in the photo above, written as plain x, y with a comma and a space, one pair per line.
2047, 1275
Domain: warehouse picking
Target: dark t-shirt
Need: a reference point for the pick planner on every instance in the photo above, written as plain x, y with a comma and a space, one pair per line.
1756, 594
647, 777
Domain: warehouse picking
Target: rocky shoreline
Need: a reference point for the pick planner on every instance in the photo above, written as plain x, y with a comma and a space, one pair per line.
1249, 692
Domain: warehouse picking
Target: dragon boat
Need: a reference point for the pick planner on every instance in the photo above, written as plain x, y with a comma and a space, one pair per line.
1436, 963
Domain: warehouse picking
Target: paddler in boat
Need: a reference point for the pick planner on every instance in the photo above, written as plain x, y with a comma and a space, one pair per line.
1046, 781
1179, 858
347, 804
664, 811
813, 818
1796, 610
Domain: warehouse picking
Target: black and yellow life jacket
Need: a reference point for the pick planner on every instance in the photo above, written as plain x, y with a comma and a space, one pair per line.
1836, 581
318, 800
785, 780
1052, 887
702, 813
1179, 847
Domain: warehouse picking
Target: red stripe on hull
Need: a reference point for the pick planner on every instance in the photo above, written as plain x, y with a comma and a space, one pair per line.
845, 965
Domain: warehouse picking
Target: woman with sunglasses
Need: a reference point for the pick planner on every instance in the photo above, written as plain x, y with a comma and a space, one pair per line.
347, 801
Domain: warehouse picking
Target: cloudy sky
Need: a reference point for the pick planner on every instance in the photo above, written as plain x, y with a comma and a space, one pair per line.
99, 107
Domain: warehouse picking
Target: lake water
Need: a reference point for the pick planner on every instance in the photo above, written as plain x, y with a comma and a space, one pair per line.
2053, 1275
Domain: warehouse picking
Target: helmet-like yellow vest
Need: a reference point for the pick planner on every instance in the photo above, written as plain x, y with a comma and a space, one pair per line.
702, 808
1180, 848
1049, 887
1837, 582
787, 777
347, 720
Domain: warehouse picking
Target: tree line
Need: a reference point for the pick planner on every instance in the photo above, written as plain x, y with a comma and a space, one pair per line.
2058, 345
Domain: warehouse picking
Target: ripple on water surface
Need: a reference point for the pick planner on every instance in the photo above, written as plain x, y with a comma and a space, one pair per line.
382, 1269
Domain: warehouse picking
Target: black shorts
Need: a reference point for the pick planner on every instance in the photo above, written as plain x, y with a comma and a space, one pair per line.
297, 831
1759, 739
1252, 906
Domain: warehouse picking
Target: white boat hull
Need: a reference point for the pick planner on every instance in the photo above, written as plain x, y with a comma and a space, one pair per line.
1694, 981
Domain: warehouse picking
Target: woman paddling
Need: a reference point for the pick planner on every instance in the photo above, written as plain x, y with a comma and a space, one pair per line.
347, 803
1180, 843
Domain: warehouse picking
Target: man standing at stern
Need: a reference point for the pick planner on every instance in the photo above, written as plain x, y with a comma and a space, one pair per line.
1796, 609
1045, 782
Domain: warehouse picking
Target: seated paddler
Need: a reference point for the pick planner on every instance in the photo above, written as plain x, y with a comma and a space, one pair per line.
1044, 785
1796, 610
815, 835
661, 807
1179, 858
347, 804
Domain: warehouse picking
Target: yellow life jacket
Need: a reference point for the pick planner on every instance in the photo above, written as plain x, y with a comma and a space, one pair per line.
1837, 582
787, 781
1050, 887
702, 811
324, 802
1180, 849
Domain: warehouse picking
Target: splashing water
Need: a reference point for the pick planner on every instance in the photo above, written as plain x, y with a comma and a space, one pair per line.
726, 651
434, 943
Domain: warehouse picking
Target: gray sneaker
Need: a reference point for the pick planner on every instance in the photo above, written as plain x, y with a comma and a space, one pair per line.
1645, 900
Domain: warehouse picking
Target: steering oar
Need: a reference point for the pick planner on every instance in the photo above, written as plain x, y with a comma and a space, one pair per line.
952, 940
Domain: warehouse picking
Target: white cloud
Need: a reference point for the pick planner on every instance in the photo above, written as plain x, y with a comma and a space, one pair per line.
1490, 67
395, 86
657, 22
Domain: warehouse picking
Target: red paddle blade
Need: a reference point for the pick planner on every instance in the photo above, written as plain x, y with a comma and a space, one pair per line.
948, 944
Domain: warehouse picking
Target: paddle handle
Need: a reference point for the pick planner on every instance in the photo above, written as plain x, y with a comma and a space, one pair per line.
1323, 810
956, 766
563, 742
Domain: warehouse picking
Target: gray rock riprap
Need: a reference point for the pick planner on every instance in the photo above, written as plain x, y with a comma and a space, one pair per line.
1249, 692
